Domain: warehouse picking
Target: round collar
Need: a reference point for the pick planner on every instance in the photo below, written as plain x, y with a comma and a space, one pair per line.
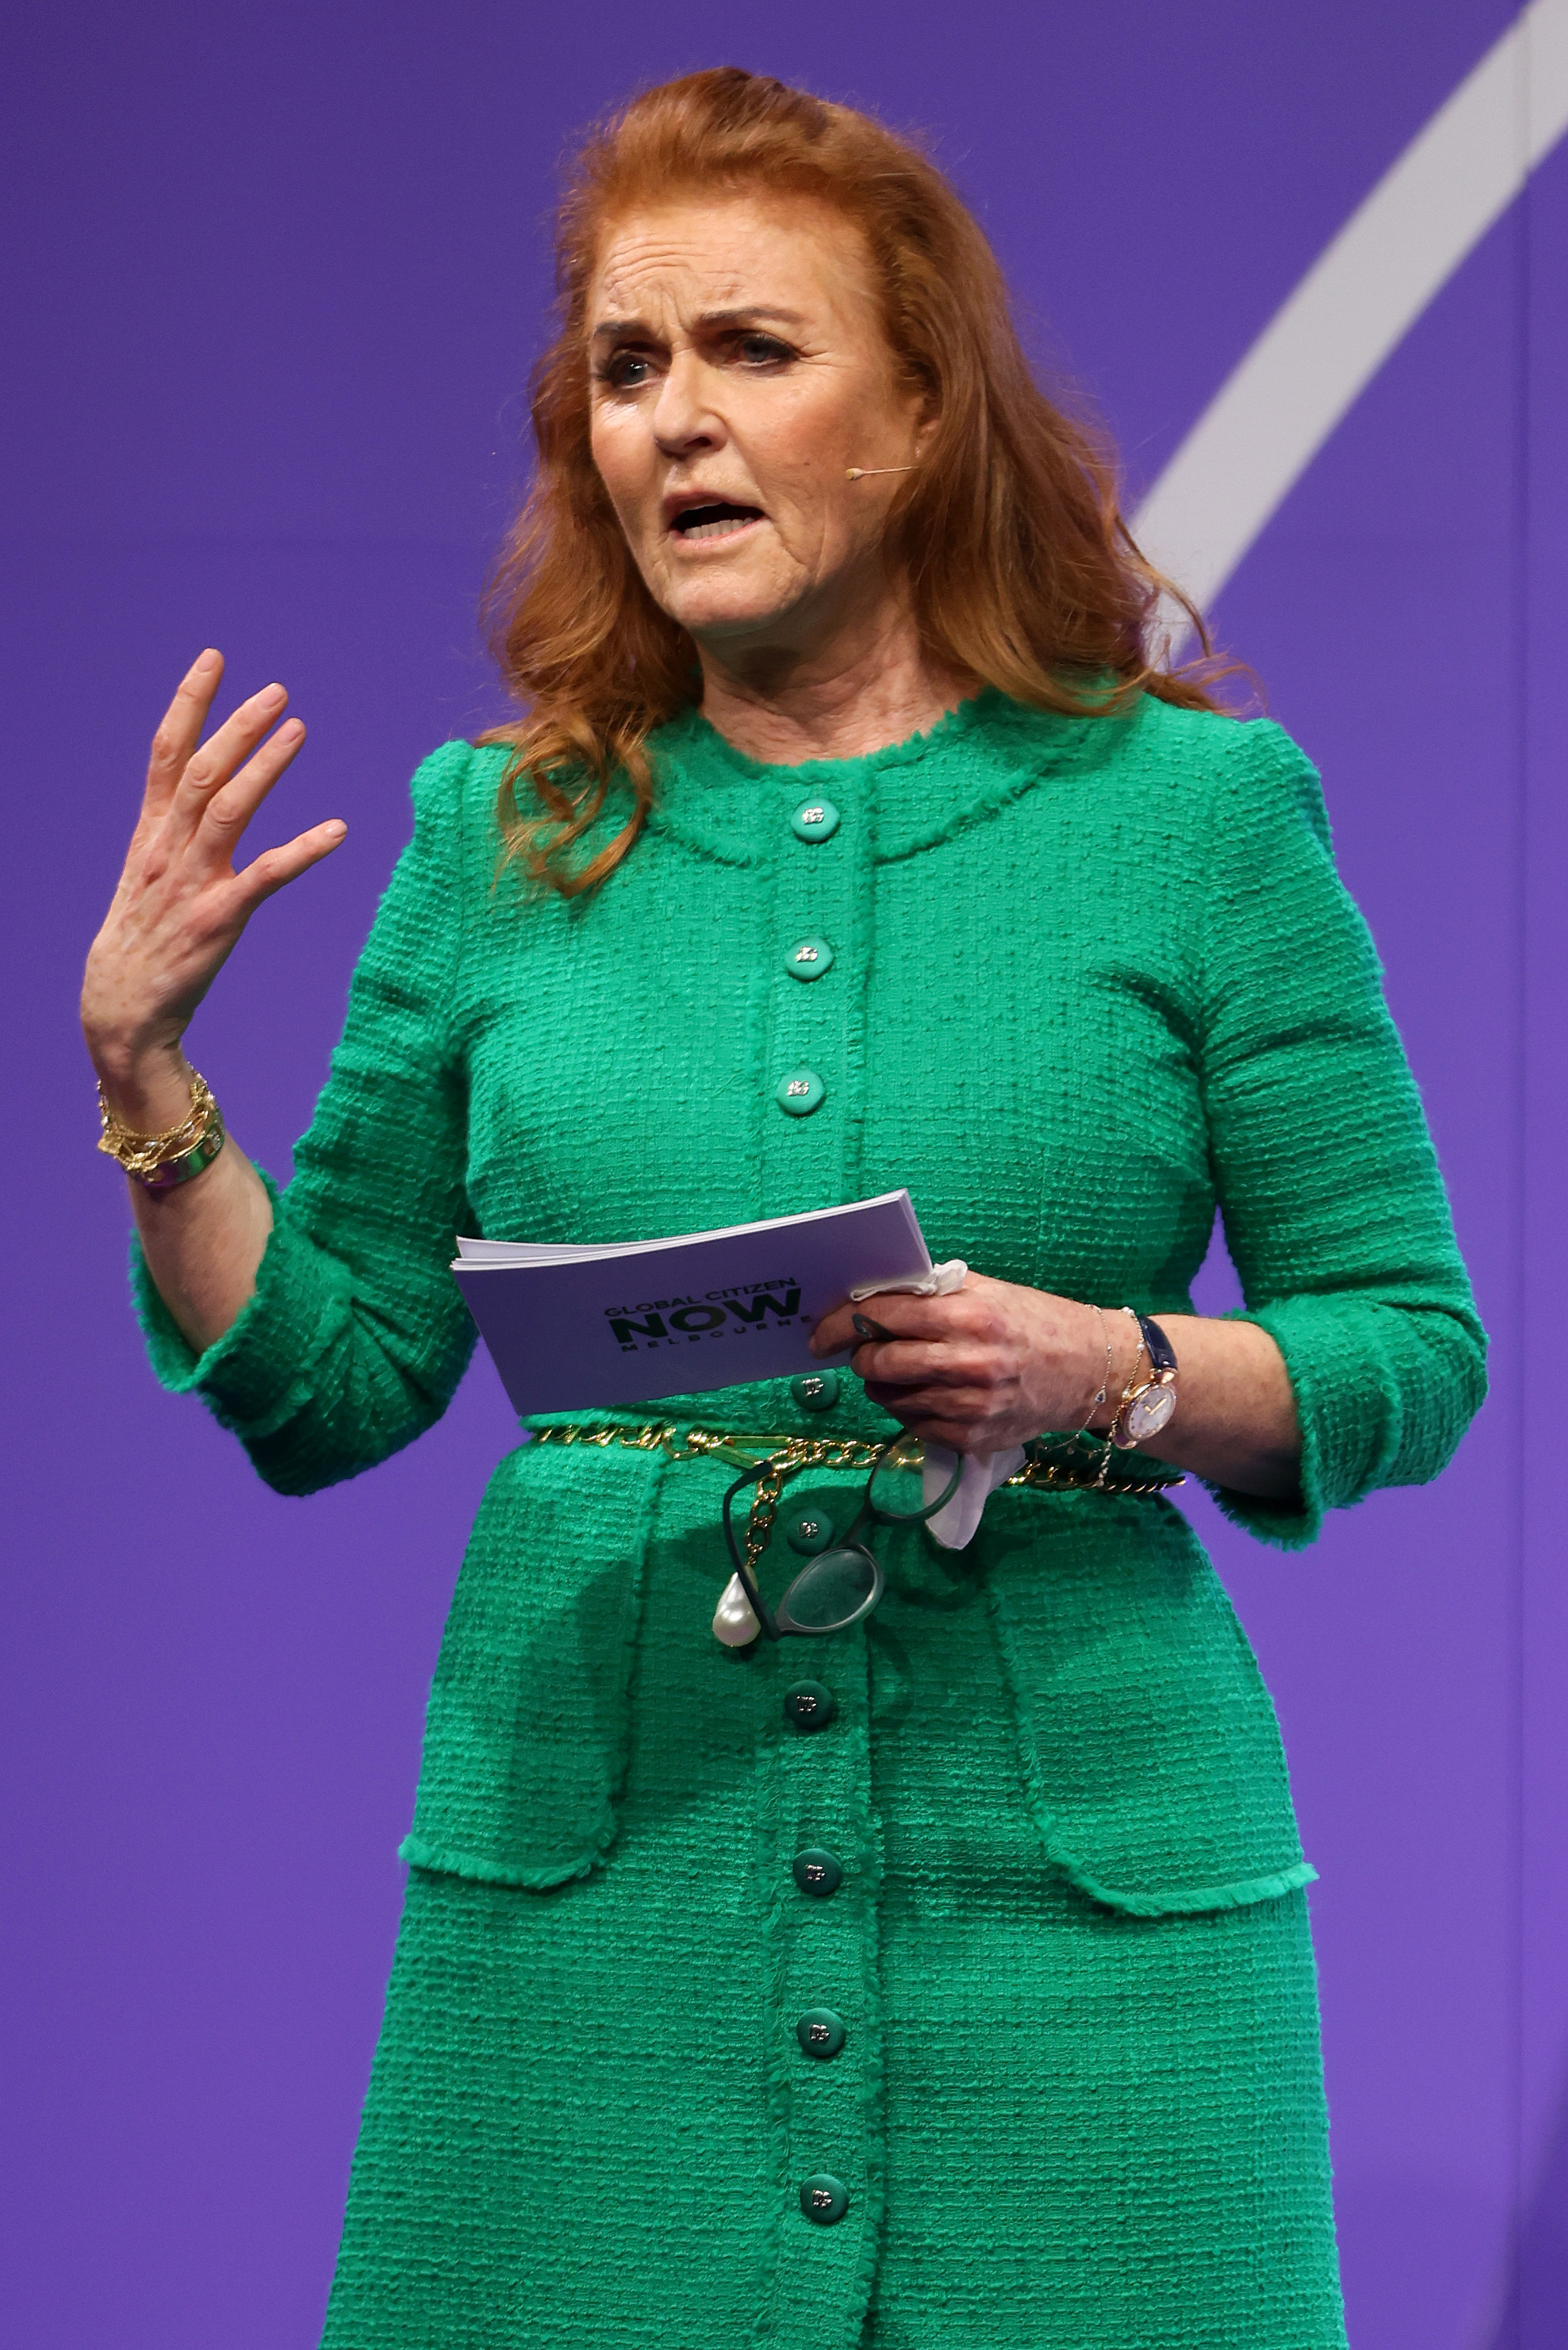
974, 761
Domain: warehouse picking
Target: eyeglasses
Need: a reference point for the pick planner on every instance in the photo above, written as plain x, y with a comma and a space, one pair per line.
840, 1584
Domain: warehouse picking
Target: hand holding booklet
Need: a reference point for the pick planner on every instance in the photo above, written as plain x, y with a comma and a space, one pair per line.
582, 1329
585, 1329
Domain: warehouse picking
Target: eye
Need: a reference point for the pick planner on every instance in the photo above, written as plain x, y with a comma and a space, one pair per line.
757, 350
625, 371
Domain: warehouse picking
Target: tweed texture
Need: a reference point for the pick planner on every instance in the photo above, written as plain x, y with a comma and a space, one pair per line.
1092, 978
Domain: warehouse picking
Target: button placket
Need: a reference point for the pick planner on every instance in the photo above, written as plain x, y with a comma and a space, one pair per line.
826, 2019
820, 859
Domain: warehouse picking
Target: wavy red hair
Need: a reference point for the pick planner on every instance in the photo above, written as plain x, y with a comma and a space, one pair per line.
1022, 573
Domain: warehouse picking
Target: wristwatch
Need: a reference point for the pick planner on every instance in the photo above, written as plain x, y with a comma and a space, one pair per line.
1145, 1411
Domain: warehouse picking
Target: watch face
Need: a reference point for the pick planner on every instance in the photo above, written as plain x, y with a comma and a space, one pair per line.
1148, 1413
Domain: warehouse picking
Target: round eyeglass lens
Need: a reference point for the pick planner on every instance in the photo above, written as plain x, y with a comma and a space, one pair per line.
832, 1591
896, 1489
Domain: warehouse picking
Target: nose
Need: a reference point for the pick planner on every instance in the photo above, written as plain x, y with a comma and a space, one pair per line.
683, 418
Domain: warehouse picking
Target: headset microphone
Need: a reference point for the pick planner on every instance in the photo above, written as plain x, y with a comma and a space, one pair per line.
858, 473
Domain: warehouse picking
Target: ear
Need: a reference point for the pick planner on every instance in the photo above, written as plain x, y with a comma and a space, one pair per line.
922, 407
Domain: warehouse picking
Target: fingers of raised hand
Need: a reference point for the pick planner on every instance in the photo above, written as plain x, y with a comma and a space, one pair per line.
231, 806
180, 728
276, 867
212, 762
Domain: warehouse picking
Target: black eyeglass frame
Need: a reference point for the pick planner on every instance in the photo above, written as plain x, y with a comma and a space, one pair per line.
781, 1624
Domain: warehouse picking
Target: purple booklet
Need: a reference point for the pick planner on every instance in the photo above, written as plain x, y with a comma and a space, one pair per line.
583, 1329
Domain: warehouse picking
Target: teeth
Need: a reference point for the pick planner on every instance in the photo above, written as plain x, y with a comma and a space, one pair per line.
725, 529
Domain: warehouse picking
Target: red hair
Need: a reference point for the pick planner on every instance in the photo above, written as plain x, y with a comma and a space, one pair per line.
1022, 573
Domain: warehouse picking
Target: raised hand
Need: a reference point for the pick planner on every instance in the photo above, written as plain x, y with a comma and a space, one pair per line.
181, 904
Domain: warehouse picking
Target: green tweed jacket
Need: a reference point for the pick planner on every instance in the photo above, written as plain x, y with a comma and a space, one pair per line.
1089, 979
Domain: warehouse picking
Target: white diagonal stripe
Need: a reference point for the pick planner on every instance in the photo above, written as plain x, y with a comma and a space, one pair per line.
1312, 362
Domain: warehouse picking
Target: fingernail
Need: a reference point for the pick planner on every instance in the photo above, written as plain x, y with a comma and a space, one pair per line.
290, 730
270, 695
208, 661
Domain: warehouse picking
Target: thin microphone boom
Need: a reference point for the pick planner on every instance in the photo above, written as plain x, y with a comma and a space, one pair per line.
858, 473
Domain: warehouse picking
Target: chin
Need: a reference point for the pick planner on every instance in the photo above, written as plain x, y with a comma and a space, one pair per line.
723, 609
720, 596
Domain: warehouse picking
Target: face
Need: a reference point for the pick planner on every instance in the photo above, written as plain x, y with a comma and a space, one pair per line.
739, 371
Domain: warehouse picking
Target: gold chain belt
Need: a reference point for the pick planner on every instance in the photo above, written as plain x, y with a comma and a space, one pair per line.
1083, 1471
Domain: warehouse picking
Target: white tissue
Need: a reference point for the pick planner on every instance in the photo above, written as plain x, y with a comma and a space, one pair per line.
954, 1525
941, 1282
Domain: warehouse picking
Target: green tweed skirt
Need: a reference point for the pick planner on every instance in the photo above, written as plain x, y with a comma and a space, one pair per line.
1051, 2121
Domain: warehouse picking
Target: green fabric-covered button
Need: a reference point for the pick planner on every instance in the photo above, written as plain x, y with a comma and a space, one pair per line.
824, 2198
808, 959
809, 1533
815, 820
820, 2032
810, 1706
818, 1871
799, 1092
815, 1390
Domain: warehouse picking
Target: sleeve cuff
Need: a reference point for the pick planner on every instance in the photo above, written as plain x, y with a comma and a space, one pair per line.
249, 1377
1296, 1522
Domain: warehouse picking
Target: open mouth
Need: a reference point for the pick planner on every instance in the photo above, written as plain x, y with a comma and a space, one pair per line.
716, 520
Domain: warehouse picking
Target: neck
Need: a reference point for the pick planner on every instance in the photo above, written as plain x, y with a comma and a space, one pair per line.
870, 685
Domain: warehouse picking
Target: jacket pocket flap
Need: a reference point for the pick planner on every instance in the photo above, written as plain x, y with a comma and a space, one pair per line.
527, 1735
1184, 1900
1147, 1743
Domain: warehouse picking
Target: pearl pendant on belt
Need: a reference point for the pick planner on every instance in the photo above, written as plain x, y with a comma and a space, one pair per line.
733, 1621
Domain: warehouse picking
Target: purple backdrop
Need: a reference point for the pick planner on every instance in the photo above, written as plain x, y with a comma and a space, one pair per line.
274, 279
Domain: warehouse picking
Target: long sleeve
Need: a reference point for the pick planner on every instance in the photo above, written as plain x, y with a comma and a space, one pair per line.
1335, 1211
357, 1334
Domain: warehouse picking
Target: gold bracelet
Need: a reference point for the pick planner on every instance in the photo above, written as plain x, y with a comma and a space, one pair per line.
160, 1161
1126, 1397
1096, 1401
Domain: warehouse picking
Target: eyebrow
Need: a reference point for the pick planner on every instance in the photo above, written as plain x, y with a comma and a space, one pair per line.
748, 313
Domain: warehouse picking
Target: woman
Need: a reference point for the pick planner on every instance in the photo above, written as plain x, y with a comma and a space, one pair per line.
963, 1994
